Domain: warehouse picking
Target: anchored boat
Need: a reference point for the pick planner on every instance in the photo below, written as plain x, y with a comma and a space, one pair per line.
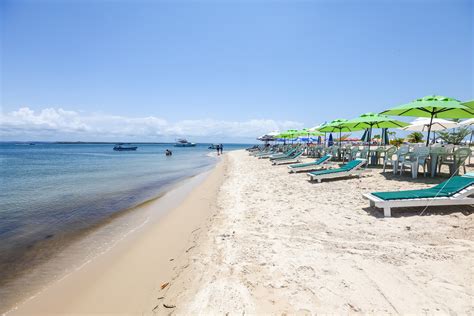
121, 147
182, 142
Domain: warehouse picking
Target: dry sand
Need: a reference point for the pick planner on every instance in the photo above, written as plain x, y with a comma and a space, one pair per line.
280, 244
254, 239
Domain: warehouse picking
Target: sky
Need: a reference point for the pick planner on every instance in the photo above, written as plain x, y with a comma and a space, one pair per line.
221, 70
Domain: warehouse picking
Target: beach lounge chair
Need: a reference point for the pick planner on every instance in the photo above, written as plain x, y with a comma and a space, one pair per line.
294, 158
288, 154
352, 168
276, 154
315, 165
458, 190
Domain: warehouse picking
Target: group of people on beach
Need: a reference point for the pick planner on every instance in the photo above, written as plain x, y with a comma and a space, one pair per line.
219, 149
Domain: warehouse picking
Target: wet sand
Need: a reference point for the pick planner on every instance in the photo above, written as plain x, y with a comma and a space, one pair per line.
125, 278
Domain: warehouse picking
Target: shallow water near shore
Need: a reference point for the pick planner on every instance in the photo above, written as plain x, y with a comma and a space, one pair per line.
55, 195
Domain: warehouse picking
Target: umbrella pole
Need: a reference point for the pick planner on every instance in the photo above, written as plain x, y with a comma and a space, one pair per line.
340, 149
429, 130
368, 150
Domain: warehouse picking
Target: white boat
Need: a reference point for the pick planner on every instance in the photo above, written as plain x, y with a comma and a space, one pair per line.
182, 142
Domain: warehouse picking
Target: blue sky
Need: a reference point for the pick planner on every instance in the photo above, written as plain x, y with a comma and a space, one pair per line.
154, 70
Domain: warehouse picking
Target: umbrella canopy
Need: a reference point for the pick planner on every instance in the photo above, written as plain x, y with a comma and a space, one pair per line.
330, 140
307, 132
469, 122
365, 136
339, 125
291, 133
268, 136
469, 104
433, 106
422, 124
317, 127
374, 120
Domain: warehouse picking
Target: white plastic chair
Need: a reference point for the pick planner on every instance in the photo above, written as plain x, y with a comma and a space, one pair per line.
402, 152
388, 157
415, 159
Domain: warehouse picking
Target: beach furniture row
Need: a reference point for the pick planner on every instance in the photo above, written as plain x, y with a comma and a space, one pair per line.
457, 190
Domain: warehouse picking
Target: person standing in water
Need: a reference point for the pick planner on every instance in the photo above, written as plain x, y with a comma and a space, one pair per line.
221, 147
218, 147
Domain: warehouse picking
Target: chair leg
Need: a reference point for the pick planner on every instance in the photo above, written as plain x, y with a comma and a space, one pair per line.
387, 212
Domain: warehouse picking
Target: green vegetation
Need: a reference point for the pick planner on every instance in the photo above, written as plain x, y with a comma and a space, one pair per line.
415, 137
454, 137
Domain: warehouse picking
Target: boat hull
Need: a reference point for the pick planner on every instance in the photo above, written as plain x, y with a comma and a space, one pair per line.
126, 149
185, 145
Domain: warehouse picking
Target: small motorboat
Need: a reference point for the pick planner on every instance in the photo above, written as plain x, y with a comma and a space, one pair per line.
121, 147
213, 146
182, 142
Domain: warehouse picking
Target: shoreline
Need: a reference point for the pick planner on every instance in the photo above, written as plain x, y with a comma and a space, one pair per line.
167, 208
252, 238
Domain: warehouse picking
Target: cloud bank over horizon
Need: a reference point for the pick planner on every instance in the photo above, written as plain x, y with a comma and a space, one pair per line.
57, 124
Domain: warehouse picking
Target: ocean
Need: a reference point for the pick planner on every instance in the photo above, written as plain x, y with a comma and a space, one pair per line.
62, 204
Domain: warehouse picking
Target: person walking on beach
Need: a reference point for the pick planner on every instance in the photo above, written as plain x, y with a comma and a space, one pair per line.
218, 147
221, 147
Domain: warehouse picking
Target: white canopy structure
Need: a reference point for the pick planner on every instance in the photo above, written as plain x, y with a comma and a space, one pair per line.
422, 124
469, 122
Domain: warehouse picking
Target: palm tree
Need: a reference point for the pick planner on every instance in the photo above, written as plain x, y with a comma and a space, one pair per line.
415, 137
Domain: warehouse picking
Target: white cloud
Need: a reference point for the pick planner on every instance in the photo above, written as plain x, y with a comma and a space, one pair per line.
60, 124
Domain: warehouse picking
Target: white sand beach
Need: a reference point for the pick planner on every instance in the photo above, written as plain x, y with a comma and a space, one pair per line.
279, 244
254, 239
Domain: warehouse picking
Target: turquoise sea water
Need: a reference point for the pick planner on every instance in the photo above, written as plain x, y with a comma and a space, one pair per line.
52, 193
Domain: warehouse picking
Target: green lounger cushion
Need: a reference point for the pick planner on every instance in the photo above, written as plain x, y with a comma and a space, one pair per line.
348, 167
290, 156
445, 189
314, 163
283, 155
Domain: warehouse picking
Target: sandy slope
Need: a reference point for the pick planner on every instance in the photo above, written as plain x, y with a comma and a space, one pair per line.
280, 244
123, 281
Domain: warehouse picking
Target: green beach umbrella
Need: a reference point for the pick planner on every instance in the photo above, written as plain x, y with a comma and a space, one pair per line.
469, 104
373, 120
339, 125
307, 132
433, 106
289, 134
